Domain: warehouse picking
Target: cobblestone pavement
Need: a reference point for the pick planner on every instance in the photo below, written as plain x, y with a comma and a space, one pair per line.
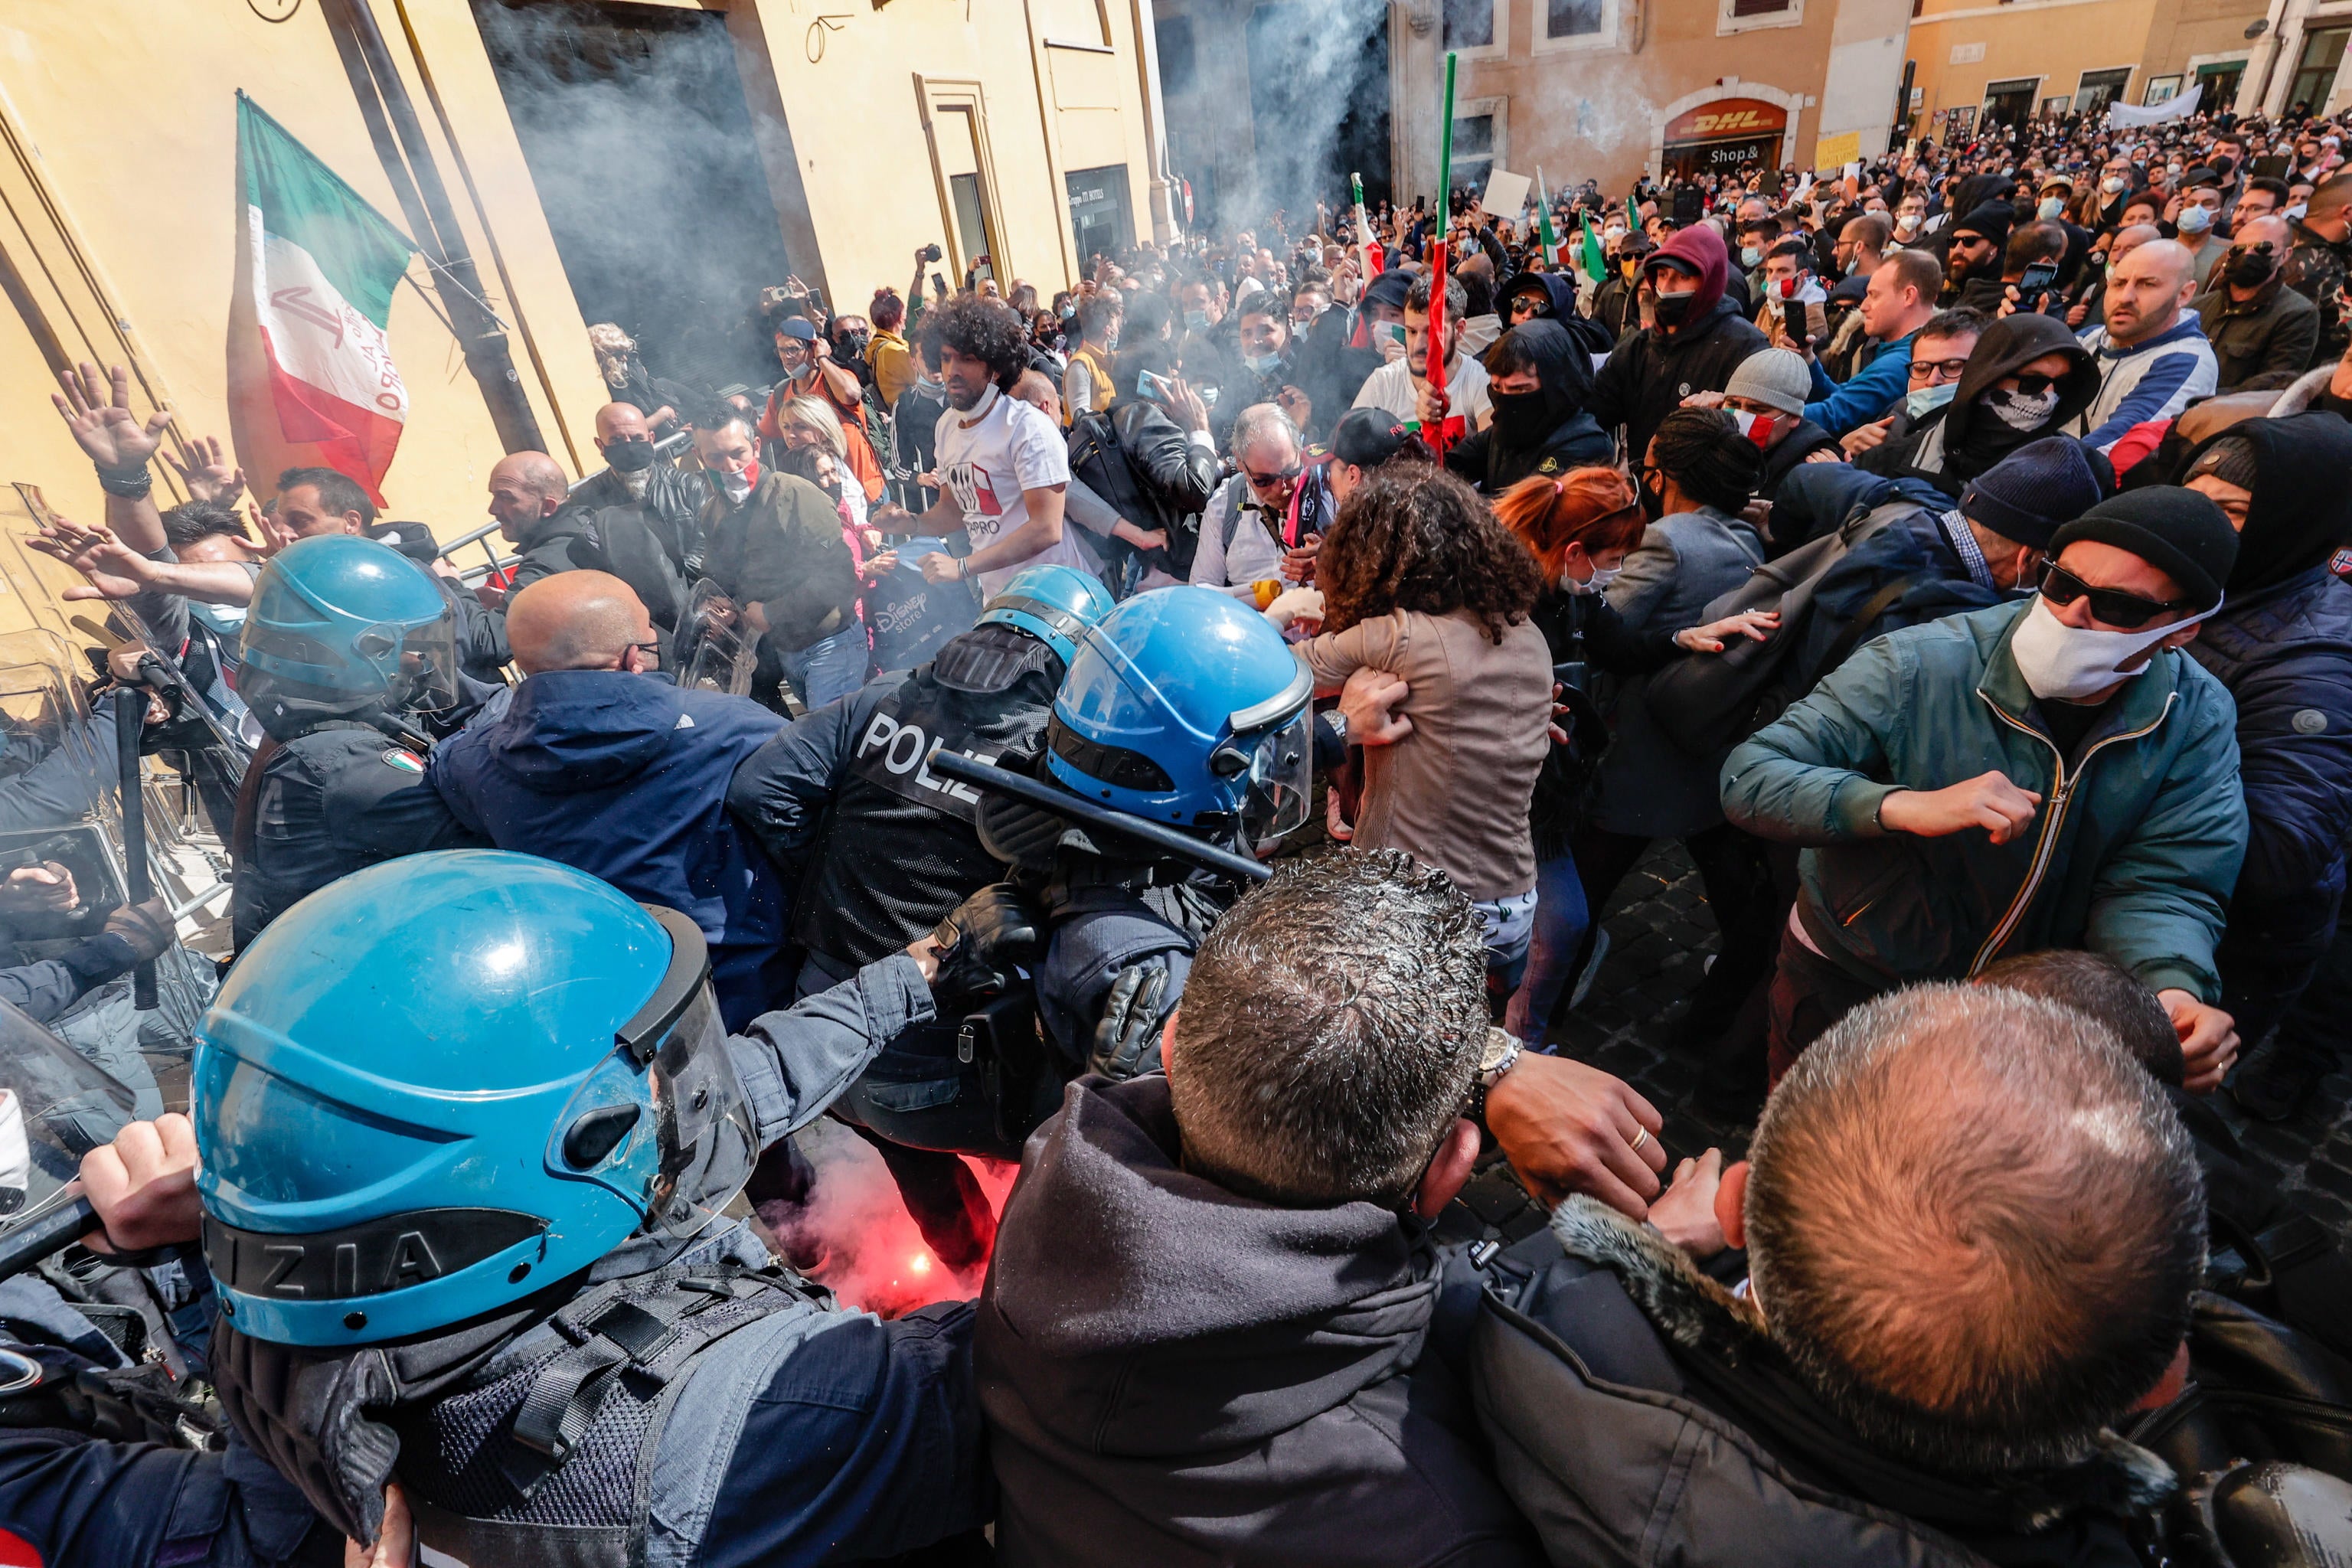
1660, 934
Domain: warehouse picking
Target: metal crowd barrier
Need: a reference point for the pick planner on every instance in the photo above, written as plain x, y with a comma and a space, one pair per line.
670, 446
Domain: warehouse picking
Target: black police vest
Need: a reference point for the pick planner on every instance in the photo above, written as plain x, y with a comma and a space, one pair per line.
899, 850
331, 801
555, 1458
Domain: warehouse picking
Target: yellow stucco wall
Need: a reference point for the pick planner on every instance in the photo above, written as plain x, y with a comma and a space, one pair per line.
118, 207
2058, 40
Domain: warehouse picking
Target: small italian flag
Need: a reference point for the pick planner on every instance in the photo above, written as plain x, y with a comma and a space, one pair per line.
311, 372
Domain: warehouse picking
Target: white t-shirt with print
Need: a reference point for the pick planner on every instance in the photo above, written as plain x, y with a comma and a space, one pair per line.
987, 460
1390, 388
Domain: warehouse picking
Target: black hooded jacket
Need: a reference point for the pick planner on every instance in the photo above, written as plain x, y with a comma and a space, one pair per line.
1176, 1376
1563, 436
2282, 644
1639, 1414
1963, 438
1651, 371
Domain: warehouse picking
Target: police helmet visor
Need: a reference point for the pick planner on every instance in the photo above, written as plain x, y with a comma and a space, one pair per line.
1281, 775
703, 1121
427, 676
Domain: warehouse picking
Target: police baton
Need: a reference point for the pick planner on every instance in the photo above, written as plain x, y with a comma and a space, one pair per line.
130, 724
1044, 798
42, 1234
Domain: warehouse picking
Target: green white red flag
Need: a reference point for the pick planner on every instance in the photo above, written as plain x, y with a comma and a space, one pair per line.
311, 377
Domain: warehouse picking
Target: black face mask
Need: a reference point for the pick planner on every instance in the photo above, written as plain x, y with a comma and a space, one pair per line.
2251, 269
1674, 309
1520, 418
630, 454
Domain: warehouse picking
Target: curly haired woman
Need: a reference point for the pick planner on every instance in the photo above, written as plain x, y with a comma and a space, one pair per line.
1418, 579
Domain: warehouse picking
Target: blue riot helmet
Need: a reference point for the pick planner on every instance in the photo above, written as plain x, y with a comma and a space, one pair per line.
1056, 605
446, 1082
340, 625
1185, 706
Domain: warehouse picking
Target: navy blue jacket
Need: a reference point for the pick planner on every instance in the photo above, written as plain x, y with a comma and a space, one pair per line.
2285, 654
624, 777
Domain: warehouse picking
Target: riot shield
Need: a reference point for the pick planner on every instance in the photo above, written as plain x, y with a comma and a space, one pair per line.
713, 650
55, 1107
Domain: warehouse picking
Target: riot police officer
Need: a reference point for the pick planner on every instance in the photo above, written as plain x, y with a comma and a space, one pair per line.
1184, 708
492, 1273
889, 850
345, 647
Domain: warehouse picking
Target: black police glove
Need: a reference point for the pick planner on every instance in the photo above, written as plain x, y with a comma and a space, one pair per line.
1127, 1041
981, 941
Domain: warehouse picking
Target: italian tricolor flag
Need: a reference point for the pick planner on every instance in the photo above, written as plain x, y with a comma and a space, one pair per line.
310, 373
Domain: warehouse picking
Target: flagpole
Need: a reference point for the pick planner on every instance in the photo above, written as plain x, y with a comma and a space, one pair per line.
1436, 372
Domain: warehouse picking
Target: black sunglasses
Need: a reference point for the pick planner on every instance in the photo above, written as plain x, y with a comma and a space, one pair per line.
2129, 611
1266, 481
2035, 386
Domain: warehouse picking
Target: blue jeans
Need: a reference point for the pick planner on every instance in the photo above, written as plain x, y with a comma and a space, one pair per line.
830, 668
1561, 922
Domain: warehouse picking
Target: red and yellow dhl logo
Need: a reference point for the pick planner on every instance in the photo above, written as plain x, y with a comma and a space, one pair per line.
1728, 123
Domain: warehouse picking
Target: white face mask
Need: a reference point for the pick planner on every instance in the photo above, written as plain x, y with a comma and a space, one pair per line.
2194, 219
2113, 184
2070, 663
2051, 207
1598, 583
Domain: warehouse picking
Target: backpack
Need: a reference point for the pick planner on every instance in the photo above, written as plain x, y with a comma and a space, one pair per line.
1099, 461
1709, 703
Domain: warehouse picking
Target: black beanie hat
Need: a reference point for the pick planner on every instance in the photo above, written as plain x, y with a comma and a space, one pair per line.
1991, 220
2179, 532
2037, 490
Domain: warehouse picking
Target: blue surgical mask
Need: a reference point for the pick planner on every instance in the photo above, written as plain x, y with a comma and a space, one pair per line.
1196, 321
1262, 364
2194, 219
2051, 207
1750, 257
1928, 399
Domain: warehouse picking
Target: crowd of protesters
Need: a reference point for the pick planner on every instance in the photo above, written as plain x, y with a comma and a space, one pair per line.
1949, 553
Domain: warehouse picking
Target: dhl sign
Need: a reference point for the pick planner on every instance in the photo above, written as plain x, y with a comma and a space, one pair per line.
1727, 117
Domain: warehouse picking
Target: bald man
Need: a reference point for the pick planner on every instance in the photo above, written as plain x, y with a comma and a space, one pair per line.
603, 764
1973, 1229
2153, 359
528, 496
641, 507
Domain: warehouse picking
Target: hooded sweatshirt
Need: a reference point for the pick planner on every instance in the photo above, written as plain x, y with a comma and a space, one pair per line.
624, 777
1651, 371
1562, 434
1175, 1375
2282, 644
1963, 438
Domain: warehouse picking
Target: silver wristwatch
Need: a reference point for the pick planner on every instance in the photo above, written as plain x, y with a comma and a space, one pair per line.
1501, 1055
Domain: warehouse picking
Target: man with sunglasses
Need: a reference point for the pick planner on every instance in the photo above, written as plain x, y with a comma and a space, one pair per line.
1244, 536
2110, 816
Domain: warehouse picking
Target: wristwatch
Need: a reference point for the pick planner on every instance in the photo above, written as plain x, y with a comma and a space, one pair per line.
1501, 1055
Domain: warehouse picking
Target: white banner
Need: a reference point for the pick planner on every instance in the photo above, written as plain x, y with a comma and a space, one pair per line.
2126, 115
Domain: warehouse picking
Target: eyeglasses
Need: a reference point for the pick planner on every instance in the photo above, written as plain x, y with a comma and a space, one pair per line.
1938, 370
1267, 481
2116, 609
2035, 386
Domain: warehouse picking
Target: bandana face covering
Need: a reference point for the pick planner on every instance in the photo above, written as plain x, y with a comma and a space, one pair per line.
2021, 411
